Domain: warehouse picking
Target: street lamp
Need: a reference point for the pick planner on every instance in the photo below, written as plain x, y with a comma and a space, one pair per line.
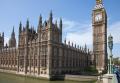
110, 77
110, 45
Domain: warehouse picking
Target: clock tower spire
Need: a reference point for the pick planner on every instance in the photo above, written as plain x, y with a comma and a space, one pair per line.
99, 24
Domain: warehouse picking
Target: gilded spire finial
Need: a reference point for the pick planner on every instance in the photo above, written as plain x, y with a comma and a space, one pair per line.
98, 1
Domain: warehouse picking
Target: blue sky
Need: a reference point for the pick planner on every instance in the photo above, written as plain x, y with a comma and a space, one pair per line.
76, 16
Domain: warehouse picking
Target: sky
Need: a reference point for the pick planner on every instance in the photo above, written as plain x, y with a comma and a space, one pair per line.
76, 15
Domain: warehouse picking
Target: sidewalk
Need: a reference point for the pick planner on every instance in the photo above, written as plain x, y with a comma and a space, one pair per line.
80, 78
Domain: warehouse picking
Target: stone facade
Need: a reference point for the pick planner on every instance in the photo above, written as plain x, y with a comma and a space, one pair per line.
99, 23
41, 53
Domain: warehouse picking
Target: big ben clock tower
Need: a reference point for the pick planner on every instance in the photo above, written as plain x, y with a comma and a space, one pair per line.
99, 24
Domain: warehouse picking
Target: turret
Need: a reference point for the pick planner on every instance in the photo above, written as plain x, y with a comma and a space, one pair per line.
50, 26
20, 27
68, 43
65, 41
50, 41
13, 33
3, 34
75, 45
60, 26
72, 44
3, 38
85, 49
27, 25
40, 23
26, 47
45, 24
12, 41
78, 46
6, 46
50, 19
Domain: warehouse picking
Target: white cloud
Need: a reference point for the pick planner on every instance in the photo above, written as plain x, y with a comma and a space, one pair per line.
73, 26
80, 39
81, 33
114, 30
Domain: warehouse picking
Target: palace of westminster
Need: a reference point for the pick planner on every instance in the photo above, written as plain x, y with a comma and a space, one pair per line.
41, 53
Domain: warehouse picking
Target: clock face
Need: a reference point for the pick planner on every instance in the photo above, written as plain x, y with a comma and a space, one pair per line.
98, 17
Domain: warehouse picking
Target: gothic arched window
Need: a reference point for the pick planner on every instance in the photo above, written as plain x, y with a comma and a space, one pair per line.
44, 36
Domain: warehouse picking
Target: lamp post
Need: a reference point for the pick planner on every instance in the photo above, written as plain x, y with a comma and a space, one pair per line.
110, 77
110, 45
